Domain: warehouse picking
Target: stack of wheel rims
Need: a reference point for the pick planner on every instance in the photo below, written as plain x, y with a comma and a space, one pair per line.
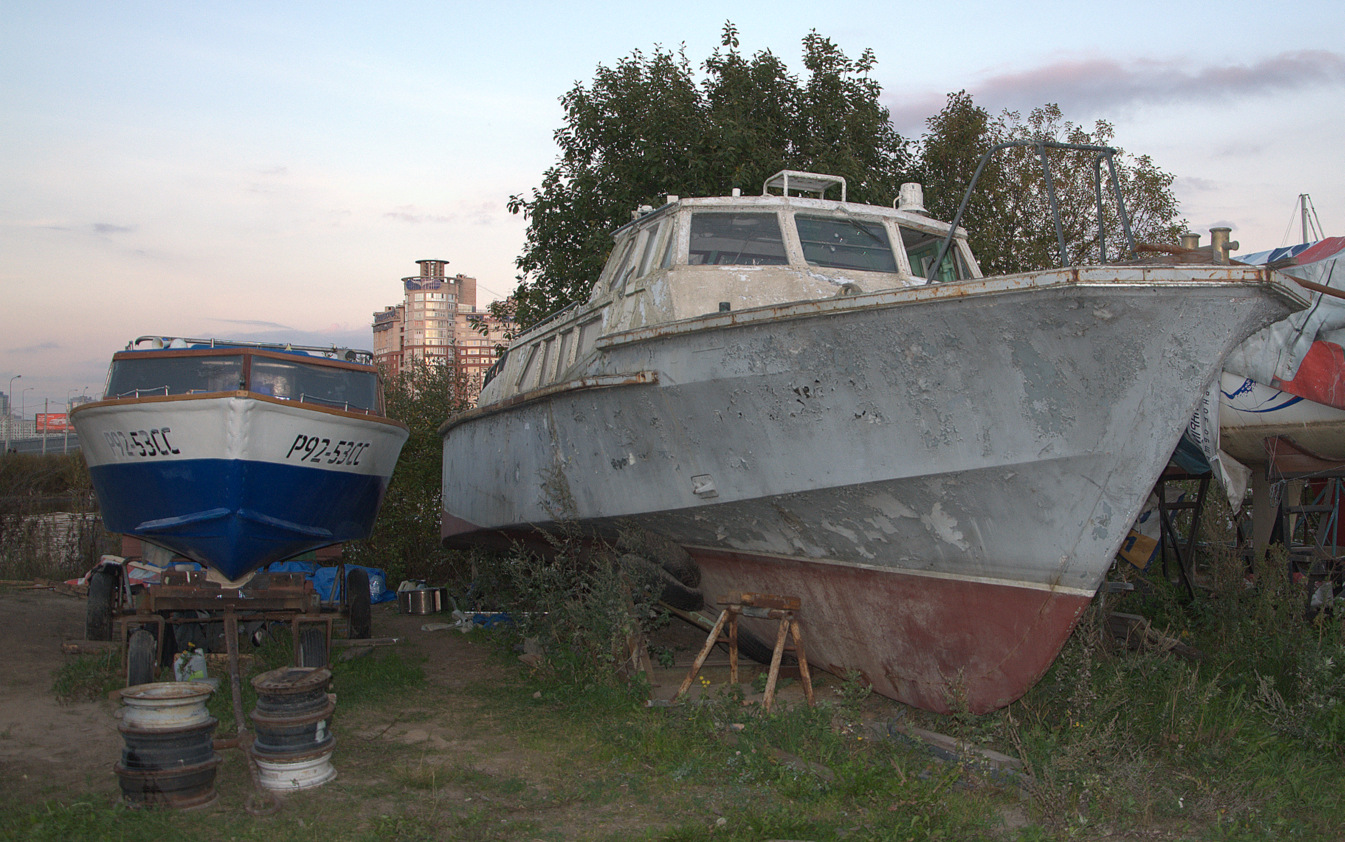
293, 740
169, 757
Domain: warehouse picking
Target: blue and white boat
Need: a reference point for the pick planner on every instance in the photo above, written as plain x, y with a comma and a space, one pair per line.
239, 454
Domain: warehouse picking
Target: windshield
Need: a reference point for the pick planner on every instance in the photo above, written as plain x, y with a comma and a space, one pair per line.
134, 378
342, 388
842, 243
922, 248
736, 239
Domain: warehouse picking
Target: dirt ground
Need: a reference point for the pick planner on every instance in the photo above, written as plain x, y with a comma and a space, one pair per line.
65, 751
48, 749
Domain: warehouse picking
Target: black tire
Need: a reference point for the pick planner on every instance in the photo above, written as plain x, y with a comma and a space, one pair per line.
676, 594
753, 647
312, 647
101, 605
358, 607
665, 586
141, 652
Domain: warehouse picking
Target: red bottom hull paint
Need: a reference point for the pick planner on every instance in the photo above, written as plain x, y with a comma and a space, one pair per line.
933, 642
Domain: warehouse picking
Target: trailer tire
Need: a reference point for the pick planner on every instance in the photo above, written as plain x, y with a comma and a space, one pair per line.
140, 657
358, 607
101, 604
312, 648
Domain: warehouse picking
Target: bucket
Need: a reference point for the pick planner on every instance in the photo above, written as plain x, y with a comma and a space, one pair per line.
422, 600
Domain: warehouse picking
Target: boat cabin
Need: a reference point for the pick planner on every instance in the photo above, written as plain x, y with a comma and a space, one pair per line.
167, 366
800, 240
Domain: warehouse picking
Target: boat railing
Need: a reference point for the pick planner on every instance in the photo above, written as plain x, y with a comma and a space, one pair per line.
494, 369
142, 393
549, 319
351, 355
1099, 154
345, 405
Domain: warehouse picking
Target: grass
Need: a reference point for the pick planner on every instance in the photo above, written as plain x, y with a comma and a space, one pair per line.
1246, 743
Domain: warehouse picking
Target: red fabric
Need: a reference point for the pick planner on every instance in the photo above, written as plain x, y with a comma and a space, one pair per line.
1320, 377
1321, 250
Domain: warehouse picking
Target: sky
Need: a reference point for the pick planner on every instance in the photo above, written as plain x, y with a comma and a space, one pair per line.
270, 171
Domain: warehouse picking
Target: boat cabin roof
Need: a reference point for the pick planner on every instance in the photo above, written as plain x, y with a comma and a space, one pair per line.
176, 343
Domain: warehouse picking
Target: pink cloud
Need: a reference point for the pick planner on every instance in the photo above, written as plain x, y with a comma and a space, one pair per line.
1101, 85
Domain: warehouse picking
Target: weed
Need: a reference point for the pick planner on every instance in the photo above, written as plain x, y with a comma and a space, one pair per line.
88, 677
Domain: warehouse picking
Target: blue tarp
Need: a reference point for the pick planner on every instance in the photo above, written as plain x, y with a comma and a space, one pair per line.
324, 578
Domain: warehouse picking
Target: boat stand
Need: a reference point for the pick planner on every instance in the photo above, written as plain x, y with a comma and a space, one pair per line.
1311, 491
1182, 547
760, 606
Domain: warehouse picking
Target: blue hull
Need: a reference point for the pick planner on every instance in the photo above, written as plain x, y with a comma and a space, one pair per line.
235, 515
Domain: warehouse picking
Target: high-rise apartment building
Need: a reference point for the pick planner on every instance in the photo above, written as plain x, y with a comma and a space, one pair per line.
437, 319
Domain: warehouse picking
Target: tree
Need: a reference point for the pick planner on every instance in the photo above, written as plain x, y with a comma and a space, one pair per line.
405, 539
1008, 219
647, 127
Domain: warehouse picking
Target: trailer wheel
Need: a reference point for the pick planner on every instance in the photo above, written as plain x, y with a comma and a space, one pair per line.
101, 604
140, 655
358, 607
312, 648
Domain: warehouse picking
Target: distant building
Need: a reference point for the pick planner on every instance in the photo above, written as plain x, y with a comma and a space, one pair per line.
437, 319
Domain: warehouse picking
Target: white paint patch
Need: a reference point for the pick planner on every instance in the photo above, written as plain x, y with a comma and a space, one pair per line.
848, 534
944, 526
882, 523
891, 506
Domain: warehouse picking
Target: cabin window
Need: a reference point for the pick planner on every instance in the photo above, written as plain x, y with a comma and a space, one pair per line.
650, 247
923, 247
187, 375
736, 239
845, 243
340, 388
617, 269
670, 248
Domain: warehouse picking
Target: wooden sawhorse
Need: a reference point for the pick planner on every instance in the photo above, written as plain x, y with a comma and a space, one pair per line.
760, 606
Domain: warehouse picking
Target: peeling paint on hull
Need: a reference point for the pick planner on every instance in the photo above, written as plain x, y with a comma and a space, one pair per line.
942, 478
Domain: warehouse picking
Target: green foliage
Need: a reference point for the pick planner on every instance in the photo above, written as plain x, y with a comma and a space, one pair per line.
582, 607
1243, 741
49, 524
405, 541
648, 127
1008, 219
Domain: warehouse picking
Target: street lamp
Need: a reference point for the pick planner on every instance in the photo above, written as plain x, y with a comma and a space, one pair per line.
9, 410
69, 396
23, 407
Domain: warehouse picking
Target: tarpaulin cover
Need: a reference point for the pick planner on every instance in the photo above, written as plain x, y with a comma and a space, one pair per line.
324, 578
1275, 353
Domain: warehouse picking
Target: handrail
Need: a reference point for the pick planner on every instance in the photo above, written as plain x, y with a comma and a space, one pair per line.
1107, 152
353, 355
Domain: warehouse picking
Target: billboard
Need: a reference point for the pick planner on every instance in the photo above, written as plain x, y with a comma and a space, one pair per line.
52, 422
